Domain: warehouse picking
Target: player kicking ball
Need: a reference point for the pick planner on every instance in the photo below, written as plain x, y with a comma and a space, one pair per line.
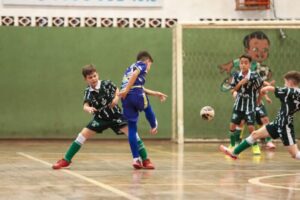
101, 100
282, 127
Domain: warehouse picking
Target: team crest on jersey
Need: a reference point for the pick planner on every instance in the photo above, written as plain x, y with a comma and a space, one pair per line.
103, 101
94, 124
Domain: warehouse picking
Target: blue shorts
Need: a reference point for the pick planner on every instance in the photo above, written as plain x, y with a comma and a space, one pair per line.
133, 104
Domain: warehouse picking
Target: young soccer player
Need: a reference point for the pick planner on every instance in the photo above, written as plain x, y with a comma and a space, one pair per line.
245, 85
135, 99
256, 45
100, 100
282, 127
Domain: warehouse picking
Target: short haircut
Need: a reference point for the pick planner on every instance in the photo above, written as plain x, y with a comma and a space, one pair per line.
143, 55
88, 70
293, 76
258, 35
246, 56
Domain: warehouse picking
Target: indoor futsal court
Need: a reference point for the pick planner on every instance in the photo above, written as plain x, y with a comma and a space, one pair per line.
102, 171
149, 99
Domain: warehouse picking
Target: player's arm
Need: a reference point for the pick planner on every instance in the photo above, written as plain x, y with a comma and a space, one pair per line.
115, 101
240, 84
263, 91
131, 81
87, 108
162, 97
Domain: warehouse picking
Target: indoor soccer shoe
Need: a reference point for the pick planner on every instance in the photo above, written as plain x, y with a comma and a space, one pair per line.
226, 151
256, 149
147, 164
137, 164
61, 164
270, 145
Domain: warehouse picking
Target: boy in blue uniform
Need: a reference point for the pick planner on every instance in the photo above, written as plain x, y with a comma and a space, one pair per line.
135, 99
282, 127
100, 100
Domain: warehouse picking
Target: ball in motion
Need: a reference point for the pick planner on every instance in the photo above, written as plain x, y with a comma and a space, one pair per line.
207, 113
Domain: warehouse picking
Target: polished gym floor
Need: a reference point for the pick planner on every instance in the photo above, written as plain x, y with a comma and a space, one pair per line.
102, 170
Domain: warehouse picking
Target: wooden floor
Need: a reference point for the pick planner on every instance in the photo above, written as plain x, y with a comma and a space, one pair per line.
102, 170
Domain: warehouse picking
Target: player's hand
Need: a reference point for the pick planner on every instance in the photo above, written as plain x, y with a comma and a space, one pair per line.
234, 94
153, 131
114, 102
123, 94
162, 97
243, 81
268, 99
91, 110
272, 83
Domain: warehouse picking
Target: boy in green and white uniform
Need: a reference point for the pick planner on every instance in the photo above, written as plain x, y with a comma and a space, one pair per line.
282, 127
101, 100
245, 84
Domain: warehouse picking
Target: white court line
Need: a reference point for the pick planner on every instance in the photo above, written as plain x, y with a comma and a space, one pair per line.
92, 181
256, 181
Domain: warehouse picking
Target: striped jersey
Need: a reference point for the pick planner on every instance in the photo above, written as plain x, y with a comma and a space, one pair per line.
290, 104
141, 79
100, 98
247, 94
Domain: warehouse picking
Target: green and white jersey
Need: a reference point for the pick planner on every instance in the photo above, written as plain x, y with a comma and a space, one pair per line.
100, 98
290, 104
246, 95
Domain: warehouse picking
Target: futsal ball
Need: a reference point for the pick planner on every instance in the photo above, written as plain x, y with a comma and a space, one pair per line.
207, 113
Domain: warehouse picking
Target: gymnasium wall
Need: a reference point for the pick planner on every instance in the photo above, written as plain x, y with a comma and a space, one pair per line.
41, 83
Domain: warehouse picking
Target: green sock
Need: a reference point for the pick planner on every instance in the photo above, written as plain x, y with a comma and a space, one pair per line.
232, 138
142, 150
73, 149
237, 136
241, 147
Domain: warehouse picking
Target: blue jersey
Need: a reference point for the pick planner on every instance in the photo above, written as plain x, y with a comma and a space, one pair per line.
141, 79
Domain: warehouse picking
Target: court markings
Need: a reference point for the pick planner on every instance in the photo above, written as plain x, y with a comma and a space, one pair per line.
92, 181
257, 181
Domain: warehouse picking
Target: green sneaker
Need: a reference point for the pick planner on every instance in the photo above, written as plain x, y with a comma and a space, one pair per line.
256, 149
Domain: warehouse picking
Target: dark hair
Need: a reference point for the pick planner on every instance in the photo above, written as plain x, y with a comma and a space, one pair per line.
258, 35
293, 75
88, 70
246, 56
143, 55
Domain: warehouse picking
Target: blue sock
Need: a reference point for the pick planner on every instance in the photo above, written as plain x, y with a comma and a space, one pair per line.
132, 130
150, 116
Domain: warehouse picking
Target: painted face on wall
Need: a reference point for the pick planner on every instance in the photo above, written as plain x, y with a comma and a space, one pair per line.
258, 49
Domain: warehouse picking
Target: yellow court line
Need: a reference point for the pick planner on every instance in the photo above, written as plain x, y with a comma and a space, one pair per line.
92, 181
256, 181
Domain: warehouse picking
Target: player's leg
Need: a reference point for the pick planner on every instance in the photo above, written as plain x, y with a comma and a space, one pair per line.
268, 140
150, 116
147, 164
294, 151
255, 146
248, 142
74, 148
131, 113
233, 131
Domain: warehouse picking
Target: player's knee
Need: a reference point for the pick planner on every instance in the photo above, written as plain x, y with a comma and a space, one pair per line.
80, 139
255, 135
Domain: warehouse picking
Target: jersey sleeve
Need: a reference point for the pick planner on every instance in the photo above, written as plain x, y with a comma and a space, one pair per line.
257, 80
87, 97
281, 93
142, 67
234, 80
